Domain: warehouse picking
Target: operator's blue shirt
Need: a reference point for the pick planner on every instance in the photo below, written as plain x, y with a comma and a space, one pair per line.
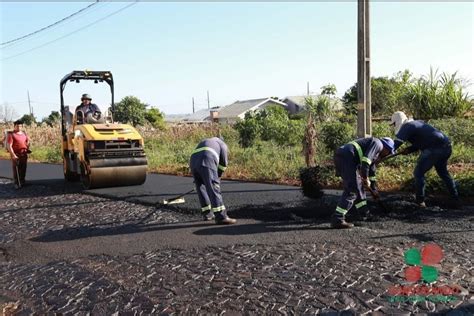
421, 136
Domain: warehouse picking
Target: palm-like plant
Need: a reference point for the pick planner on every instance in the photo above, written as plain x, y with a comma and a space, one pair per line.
437, 96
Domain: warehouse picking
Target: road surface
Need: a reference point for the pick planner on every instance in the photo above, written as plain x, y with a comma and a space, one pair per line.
64, 250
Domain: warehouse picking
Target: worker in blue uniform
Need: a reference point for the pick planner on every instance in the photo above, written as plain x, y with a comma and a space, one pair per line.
435, 150
208, 161
355, 163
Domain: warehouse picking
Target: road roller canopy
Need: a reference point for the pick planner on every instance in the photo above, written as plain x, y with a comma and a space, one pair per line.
79, 75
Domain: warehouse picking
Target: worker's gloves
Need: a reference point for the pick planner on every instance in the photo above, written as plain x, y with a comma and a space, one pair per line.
366, 182
375, 194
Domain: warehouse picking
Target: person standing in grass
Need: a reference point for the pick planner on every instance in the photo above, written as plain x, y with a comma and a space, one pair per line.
18, 145
208, 162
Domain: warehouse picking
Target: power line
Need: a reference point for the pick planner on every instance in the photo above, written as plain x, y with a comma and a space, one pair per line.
45, 32
49, 26
73, 32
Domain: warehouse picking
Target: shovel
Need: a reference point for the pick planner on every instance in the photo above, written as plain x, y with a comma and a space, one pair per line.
17, 173
388, 157
177, 199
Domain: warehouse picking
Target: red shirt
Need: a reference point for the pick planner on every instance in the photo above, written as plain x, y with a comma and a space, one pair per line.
18, 141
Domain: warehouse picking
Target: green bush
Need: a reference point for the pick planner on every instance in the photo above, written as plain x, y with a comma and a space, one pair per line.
382, 129
335, 134
249, 130
458, 130
155, 118
270, 124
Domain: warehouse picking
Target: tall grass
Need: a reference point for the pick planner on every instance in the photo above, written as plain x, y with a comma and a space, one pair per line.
169, 151
437, 96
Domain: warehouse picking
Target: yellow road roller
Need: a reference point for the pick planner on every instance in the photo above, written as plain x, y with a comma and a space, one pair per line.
96, 150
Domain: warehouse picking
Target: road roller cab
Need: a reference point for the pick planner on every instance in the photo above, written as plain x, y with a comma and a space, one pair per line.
95, 149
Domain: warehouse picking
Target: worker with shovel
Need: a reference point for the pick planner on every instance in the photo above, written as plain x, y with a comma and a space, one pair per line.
208, 162
435, 150
18, 145
355, 163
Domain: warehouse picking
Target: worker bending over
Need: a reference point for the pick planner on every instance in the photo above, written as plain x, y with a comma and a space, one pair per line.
355, 163
208, 162
435, 150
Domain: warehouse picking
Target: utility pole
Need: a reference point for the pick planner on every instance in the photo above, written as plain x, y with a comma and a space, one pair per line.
364, 110
208, 103
193, 104
307, 88
29, 103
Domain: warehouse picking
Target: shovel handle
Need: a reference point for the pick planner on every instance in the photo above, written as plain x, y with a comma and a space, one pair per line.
388, 157
372, 192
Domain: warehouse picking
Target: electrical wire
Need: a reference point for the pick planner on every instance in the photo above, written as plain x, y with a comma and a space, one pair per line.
49, 26
46, 32
71, 33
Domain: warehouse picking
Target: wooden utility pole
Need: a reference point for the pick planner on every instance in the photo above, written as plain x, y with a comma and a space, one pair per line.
364, 110
193, 104
208, 103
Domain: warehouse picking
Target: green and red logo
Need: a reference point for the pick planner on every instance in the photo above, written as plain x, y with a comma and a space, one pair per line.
421, 267
421, 263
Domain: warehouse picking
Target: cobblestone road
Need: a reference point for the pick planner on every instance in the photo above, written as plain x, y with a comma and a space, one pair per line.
322, 274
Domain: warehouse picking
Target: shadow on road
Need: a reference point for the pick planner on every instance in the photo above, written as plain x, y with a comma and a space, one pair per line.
424, 236
73, 233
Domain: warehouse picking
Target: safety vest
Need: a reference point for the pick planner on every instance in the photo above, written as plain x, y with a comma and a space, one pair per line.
362, 158
198, 150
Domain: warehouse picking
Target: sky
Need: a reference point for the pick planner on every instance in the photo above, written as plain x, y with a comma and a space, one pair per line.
166, 53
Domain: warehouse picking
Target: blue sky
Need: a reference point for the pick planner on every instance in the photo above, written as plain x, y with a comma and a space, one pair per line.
167, 53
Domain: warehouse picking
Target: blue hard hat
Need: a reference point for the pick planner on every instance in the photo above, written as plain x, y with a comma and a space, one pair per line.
388, 143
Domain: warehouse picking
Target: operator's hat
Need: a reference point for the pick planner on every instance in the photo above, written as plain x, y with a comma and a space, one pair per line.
86, 96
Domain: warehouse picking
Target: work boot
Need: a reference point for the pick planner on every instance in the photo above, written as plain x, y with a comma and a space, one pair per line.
221, 218
207, 216
340, 223
226, 221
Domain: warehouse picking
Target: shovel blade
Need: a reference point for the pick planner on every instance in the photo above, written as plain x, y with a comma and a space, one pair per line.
174, 201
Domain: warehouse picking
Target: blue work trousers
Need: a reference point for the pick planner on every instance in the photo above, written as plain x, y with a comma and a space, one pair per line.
437, 157
347, 168
208, 189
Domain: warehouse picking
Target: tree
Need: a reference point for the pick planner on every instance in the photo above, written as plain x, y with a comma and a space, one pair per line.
319, 110
155, 118
387, 94
28, 119
7, 113
329, 90
52, 119
130, 110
